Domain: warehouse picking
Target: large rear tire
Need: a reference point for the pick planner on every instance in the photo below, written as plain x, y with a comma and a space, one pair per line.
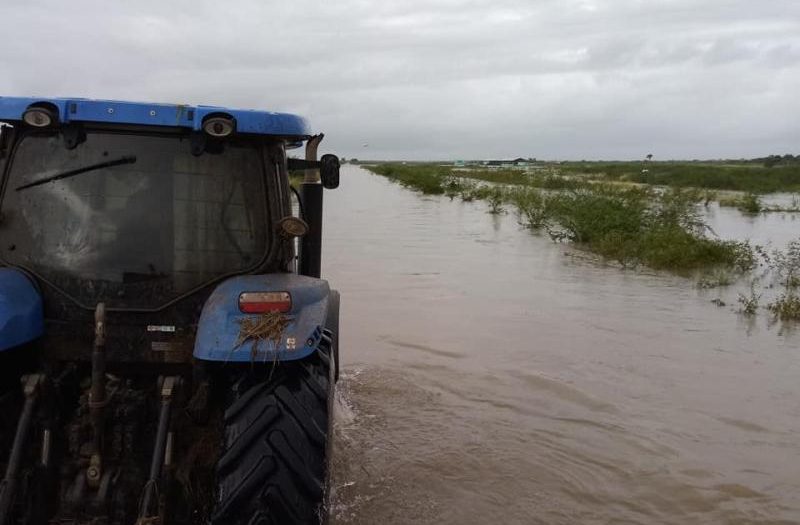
273, 466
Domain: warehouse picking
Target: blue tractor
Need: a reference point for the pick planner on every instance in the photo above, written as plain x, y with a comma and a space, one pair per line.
168, 352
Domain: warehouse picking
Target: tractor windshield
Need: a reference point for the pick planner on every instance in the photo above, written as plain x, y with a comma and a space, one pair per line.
138, 233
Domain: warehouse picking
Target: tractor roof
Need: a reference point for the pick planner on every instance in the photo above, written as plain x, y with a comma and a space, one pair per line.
168, 115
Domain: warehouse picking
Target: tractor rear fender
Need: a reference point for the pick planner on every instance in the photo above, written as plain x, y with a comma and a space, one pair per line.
221, 335
21, 314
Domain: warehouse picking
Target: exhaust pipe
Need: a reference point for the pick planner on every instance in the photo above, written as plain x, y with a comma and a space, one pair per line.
311, 193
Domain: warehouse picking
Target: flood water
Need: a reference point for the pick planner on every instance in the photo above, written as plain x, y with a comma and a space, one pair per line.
492, 376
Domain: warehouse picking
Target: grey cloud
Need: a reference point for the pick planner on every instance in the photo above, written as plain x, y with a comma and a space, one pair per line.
441, 79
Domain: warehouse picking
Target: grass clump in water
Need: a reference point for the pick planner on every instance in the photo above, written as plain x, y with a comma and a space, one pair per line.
495, 199
786, 265
786, 307
747, 203
749, 303
634, 226
533, 207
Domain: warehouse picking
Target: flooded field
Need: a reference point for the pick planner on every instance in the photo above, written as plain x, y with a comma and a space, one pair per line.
492, 376
776, 229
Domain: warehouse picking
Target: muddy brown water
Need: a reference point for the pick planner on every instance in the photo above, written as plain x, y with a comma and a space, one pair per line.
492, 376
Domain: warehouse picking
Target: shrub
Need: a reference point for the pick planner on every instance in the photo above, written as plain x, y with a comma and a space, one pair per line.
786, 265
749, 302
786, 307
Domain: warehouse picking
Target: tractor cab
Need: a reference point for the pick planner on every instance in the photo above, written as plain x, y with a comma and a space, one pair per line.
137, 214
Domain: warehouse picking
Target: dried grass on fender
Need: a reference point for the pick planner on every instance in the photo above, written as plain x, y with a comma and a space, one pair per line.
266, 327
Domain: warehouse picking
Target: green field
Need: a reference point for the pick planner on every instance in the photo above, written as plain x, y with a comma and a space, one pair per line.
724, 175
744, 176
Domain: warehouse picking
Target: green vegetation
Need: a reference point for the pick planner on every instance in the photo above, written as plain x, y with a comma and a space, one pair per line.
751, 203
429, 179
786, 307
638, 226
751, 177
747, 177
786, 267
749, 303
630, 225
545, 179
534, 208
778, 160
496, 197
747, 203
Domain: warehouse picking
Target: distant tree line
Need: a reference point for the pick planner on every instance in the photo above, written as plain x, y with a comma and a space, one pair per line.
778, 160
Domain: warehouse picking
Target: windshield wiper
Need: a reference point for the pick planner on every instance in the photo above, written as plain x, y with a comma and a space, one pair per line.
130, 159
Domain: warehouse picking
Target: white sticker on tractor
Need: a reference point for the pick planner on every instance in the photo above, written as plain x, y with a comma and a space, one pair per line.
160, 328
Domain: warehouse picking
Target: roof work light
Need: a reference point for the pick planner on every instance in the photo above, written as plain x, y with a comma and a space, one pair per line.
39, 117
219, 126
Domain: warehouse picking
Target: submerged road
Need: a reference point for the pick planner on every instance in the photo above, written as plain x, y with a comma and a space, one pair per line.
492, 376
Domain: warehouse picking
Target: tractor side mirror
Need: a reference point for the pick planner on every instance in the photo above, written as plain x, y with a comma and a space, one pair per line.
329, 171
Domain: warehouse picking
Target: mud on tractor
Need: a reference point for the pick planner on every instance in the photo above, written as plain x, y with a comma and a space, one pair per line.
168, 352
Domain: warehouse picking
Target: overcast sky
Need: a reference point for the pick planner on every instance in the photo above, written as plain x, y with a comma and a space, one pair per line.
437, 79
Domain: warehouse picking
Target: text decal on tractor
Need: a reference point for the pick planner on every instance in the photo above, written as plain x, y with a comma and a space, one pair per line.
167, 355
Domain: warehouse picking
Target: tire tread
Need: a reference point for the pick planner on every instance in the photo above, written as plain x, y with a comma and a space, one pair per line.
273, 465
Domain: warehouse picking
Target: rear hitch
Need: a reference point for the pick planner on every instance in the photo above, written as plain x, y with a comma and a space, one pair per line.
31, 386
151, 509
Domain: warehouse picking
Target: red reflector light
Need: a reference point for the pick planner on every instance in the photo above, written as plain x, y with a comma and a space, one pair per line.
261, 302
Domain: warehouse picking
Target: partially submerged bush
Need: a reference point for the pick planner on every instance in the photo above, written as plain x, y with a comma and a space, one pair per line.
708, 197
786, 307
452, 186
670, 247
635, 225
747, 203
495, 199
532, 206
749, 303
588, 215
786, 265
